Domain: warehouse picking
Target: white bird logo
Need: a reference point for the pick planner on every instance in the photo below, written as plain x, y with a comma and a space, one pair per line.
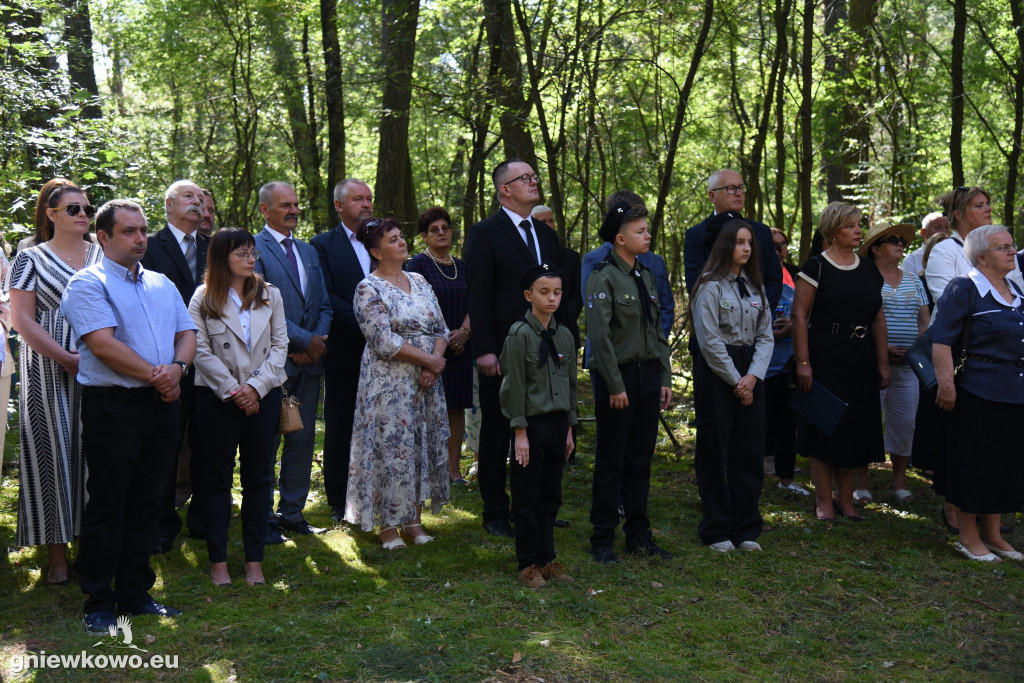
124, 625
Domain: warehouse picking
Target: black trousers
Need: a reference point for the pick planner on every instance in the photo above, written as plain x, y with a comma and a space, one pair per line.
130, 439
779, 425
495, 442
170, 519
730, 447
537, 489
341, 385
622, 459
221, 431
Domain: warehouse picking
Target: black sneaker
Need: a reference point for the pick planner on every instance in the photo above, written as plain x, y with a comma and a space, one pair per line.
648, 547
499, 527
99, 622
154, 607
604, 555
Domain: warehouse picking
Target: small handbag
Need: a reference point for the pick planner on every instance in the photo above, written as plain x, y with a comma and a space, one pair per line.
919, 355
290, 420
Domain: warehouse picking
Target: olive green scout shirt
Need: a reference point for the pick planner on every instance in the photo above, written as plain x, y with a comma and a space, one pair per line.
615, 325
529, 389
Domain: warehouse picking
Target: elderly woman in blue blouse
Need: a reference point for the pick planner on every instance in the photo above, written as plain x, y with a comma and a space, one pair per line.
732, 325
981, 316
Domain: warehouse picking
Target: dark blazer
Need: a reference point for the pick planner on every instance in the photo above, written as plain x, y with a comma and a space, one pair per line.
342, 273
695, 256
496, 256
572, 296
164, 255
307, 314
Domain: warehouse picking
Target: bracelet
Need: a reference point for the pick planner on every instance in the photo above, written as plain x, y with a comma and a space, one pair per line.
803, 362
465, 330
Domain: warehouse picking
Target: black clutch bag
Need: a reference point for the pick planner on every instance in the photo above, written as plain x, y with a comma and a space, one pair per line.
919, 357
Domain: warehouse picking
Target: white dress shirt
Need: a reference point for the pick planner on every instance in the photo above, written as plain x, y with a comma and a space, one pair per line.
243, 316
516, 220
180, 237
298, 257
360, 249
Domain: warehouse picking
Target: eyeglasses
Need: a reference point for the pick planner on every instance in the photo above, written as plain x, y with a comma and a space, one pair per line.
439, 229
1005, 248
730, 189
527, 178
247, 254
74, 209
893, 239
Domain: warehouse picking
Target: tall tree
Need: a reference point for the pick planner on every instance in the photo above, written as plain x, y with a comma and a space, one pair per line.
334, 97
78, 41
395, 194
804, 115
505, 82
956, 128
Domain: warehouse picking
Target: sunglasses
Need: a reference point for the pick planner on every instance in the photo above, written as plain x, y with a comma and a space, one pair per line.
893, 239
74, 209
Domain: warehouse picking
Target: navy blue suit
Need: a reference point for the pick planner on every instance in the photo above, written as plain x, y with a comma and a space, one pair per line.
342, 273
164, 255
308, 313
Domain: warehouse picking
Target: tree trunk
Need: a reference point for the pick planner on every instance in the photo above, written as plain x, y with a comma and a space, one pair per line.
21, 27
292, 86
1013, 160
78, 41
782, 35
856, 128
506, 82
394, 194
677, 126
956, 128
836, 172
334, 96
806, 100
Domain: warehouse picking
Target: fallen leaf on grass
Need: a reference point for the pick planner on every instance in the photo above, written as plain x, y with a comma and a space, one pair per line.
545, 643
591, 591
150, 639
887, 665
517, 657
656, 584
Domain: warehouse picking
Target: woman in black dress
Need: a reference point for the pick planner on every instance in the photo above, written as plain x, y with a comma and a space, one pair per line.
447, 276
844, 349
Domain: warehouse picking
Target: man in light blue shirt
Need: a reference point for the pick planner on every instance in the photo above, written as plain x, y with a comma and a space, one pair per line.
136, 341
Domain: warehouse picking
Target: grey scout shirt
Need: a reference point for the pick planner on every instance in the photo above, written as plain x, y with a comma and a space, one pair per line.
529, 388
722, 317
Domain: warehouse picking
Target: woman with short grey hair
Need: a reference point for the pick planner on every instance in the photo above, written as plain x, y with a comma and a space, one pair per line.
981, 314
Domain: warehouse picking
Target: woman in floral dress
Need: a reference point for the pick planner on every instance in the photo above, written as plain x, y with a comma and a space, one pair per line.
400, 431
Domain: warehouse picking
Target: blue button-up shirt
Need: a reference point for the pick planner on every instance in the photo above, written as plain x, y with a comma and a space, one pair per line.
997, 332
146, 313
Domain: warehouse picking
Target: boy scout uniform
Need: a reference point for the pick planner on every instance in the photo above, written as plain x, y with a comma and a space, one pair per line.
631, 355
538, 393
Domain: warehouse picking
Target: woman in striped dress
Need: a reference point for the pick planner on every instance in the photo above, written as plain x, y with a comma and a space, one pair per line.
51, 496
905, 304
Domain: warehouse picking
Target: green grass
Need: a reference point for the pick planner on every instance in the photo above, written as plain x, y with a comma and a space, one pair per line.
885, 599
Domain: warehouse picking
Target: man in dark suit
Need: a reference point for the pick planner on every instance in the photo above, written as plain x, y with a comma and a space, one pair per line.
498, 250
292, 266
179, 252
344, 262
726, 192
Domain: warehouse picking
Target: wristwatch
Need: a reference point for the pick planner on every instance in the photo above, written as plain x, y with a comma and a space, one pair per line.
184, 368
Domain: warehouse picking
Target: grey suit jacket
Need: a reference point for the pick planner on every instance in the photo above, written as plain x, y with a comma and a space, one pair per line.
307, 314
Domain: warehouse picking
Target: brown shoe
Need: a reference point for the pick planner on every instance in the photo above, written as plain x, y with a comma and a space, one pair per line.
555, 572
531, 577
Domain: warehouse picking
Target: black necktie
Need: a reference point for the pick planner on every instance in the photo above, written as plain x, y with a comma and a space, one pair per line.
645, 297
547, 348
528, 227
742, 282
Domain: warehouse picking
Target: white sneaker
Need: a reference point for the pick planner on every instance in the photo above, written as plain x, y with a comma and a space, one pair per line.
723, 546
795, 488
863, 496
750, 546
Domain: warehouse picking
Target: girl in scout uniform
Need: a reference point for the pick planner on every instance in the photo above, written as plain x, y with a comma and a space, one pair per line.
632, 382
730, 320
538, 397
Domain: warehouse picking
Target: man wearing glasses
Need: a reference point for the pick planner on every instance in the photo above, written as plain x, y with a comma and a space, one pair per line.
498, 250
179, 252
726, 192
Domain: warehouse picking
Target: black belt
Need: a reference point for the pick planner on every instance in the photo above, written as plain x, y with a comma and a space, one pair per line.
996, 361
856, 331
124, 392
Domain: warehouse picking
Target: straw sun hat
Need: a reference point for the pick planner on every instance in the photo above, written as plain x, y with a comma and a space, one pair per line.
883, 229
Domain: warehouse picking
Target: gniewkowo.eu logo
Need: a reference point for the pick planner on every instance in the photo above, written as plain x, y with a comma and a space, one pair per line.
120, 639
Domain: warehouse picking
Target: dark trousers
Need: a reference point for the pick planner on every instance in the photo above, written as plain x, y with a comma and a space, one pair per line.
130, 439
537, 489
170, 519
221, 430
779, 425
730, 447
495, 441
341, 384
622, 459
297, 454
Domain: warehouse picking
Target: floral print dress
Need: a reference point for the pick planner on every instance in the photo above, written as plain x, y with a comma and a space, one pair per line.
400, 431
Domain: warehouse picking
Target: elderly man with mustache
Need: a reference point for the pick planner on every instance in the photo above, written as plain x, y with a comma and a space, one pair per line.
179, 252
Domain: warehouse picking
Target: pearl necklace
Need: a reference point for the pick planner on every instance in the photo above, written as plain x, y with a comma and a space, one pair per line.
438, 263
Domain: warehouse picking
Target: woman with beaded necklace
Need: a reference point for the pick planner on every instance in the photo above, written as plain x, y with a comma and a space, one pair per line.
447, 276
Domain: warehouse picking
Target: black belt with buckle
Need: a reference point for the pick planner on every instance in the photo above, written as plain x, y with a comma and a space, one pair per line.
856, 331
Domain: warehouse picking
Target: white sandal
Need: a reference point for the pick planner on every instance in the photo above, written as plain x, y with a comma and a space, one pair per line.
863, 496
395, 544
417, 539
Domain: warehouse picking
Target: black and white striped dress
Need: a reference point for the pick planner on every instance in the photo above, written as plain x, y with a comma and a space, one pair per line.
52, 494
